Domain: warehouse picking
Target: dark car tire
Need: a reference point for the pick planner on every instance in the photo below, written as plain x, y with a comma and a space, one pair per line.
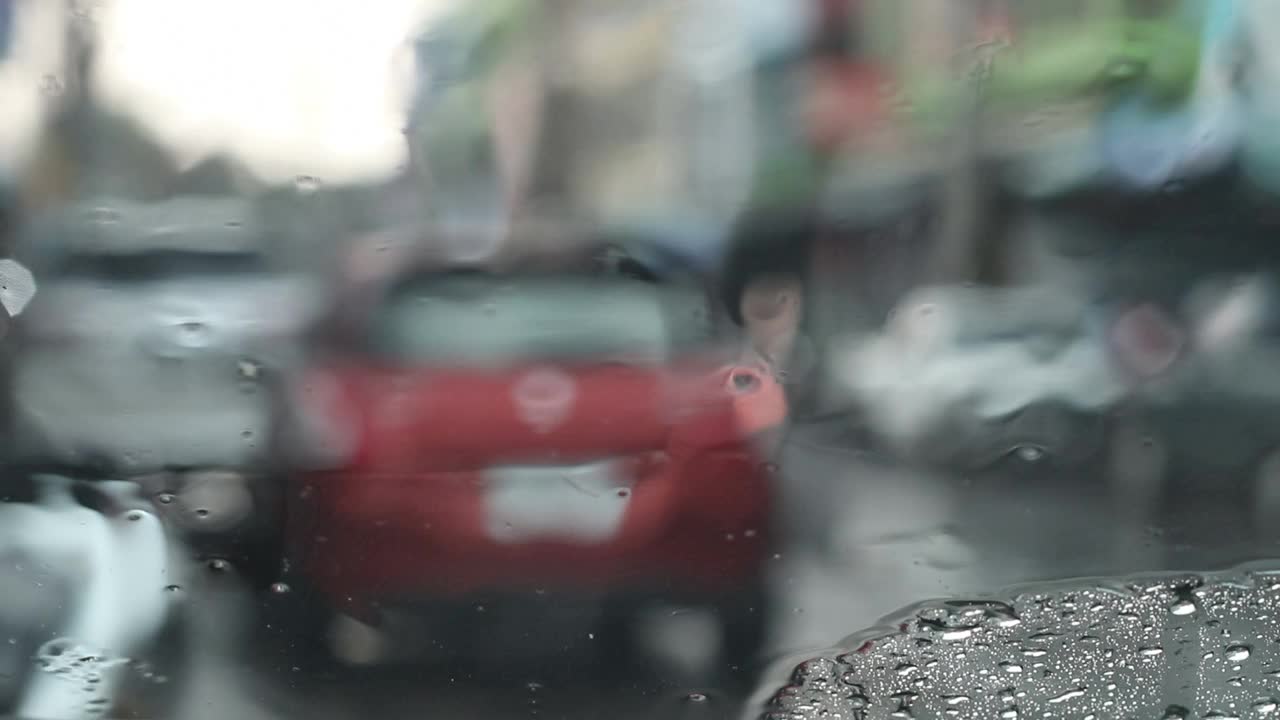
744, 626
743, 618
294, 632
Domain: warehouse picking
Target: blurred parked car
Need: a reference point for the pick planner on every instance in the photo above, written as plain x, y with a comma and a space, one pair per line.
967, 377
566, 428
153, 350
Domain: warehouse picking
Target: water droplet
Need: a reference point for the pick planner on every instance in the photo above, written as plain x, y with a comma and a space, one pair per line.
202, 513
1183, 607
1238, 653
1151, 651
306, 184
246, 434
1009, 667
51, 85
279, 588
1175, 712
744, 382
957, 634
219, 565
172, 588
696, 698
248, 369
134, 516
1265, 706
1068, 695
1029, 453
103, 215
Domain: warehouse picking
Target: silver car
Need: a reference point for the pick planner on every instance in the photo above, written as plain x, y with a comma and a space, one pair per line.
156, 337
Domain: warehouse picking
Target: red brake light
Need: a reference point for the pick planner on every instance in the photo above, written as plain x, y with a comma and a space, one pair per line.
759, 402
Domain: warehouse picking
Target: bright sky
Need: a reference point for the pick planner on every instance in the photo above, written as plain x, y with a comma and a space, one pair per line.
291, 88
35, 51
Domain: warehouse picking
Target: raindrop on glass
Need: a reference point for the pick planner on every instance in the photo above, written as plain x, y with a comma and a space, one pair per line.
1030, 454
306, 184
51, 85
1068, 695
1238, 653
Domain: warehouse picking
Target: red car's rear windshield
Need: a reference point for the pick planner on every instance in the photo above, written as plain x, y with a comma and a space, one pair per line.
485, 319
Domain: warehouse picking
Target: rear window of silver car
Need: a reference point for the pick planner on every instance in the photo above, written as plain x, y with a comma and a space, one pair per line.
158, 265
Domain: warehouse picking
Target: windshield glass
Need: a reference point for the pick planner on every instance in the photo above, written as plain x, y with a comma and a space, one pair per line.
670, 359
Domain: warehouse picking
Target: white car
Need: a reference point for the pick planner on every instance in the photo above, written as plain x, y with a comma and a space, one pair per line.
156, 338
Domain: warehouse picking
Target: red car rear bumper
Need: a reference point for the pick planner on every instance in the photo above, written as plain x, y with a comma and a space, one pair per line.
698, 525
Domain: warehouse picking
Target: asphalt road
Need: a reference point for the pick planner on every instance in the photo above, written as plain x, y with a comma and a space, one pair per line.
865, 538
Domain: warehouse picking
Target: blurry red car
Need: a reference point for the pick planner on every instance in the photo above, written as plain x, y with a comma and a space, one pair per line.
573, 428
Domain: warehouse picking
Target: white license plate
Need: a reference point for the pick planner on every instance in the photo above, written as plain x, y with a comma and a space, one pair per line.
580, 503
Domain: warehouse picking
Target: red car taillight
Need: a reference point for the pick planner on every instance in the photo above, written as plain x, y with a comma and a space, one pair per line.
730, 408
759, 402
